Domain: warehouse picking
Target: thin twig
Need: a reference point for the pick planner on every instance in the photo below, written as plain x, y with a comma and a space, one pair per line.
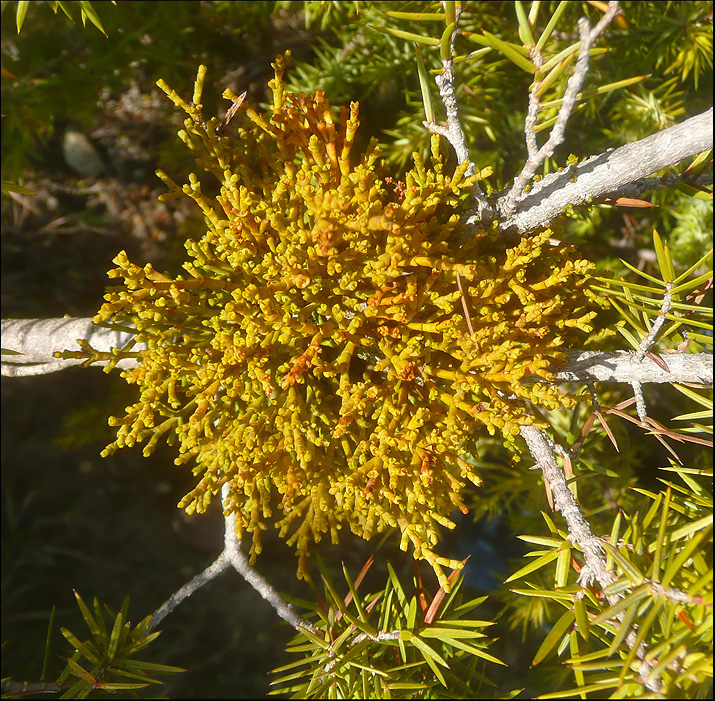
380, 637
640, 400
231, 556
220, 564
455, 135
643, 347
532, 147
678, 595
648, 341
239, 562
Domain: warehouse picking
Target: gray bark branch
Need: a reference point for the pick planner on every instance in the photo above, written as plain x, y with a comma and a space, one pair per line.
573, 86
580, 533
608, 172
37, 339
623, 366
231, 556
565, 502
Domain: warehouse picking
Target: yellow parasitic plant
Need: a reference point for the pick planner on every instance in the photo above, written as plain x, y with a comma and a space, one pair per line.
330, 352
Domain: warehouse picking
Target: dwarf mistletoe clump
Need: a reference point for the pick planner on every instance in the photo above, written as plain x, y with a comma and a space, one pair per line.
330, 352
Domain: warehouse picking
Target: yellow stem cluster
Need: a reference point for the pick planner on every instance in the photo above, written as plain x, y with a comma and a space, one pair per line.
316, 355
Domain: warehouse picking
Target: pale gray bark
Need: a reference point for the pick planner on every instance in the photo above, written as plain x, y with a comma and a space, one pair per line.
566, 503
623, 366
37, 339
580, 533
608, 172
508, 204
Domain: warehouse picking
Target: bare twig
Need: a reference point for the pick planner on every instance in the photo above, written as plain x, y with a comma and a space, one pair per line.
240, 564
220, 564
648, 341
588, 36
677, 595
231, 556
455, 136
532, 147
640, 400
579, 529
643, 347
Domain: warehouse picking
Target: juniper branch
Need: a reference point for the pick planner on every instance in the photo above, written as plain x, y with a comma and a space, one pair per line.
638, 187
454, 134
565, 502
238, 560
649, 340
623, 366
219, 565
609, 172
580, 533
